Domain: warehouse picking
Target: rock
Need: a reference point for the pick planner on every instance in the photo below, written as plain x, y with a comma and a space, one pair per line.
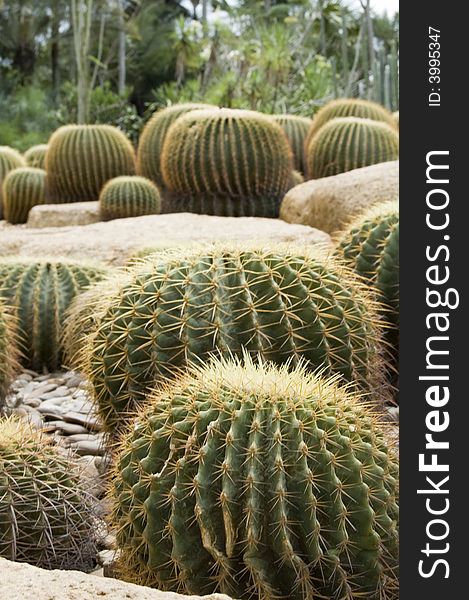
115, 241
63, 215
330, 203
20, 581
106, 557
60, 391
89, 446
39, 390
66, 428
34, 402
84, 437
87, 421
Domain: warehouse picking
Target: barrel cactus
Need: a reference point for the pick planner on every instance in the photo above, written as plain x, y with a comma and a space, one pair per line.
36, 156
124, 197
296, 129
181, 306
82, 158
22, 189
350, 143
258, 482
8, 352
46, 515
153, 136
40, 292
9, 159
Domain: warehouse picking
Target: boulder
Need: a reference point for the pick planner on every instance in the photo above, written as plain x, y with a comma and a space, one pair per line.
63, 215
20, 581
331, 202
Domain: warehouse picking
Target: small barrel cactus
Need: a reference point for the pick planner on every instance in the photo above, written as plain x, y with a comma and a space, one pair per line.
46, 515
9, 159
296, 129
124, 197
22, 189
82, 158
36, 156
40, 292
8, 352
179, 307
258, 482
350, 143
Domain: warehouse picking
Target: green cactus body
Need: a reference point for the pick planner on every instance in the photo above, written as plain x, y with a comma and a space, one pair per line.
296, 129
350, 143
36, 156
151, 142
82, 158
22, 189
125, 197
9, 159
180, 307
46, 515
227, 162
259, 482
8, 352
40, 292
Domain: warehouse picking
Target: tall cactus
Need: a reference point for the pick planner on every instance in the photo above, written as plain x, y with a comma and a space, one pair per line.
36, 156
296, 129
8, 352
46, 514
9, 159
153, 136
227, 162
22, 189
261, 483
180, 306
125, 197
40, 292
82, 158
349, 143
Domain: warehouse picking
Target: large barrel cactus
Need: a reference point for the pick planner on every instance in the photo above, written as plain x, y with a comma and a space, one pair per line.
151, 142
8, 352
40, 292
260, 483
227, 162
82, 158
9, 159
296, 129
350, 143
125, 197
46, 515
22, 189
181, 307
36, 156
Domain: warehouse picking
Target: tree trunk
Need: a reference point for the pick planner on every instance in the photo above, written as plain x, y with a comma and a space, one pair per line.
322, 26
122, 57
54, 52
81, 23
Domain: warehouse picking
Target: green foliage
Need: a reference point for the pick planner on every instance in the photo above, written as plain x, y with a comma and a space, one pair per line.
125, 197
40, 293
82, 158
180, 306
46, 514
23, 188
36, 156
348, 143
8, 352
296, 129
9, 159
261, 483
226, 162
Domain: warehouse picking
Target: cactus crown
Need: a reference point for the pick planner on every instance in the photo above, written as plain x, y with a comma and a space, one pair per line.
348, 143
23, 188
82, 158
260, 482
296, 128
36, 156
125, 196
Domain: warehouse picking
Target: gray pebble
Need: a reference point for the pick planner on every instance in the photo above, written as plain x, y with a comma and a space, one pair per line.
66, 428
83, 447
87, 421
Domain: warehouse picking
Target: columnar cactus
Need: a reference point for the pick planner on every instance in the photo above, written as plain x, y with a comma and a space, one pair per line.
296, 129
227, 162
152, 139
124, 197
46, 515
82, 158
40, 292
36, 156
22, 189
350, 143
259, 483
9, 159
8, 352
179, 307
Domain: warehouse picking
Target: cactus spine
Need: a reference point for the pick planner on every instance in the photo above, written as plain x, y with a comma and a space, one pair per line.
296, 129
22, 189
9, 159
46, 516
8, 352
40, 292
261, 483
36, 156
82, 158
227, 162
125, 197
349, 143
181, 306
